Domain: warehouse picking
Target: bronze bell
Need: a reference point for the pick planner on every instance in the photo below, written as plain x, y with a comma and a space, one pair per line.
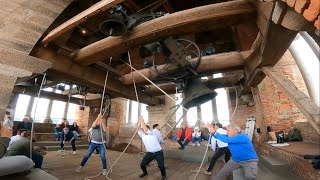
196, 93
115, 26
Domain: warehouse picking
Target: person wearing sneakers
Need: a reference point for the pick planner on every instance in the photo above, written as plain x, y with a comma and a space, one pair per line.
196, 136
219, 148
154, 150
68, 137
96, 142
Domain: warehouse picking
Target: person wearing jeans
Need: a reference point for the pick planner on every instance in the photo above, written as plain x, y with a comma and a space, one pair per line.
184, 136
68, 136
97, 135
196, 136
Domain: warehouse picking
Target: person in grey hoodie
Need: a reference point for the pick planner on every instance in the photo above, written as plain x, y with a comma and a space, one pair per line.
96, 142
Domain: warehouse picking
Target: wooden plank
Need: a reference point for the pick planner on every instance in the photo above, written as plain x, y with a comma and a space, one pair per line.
197, 19
90, 76
214, 63
97, 8
170, 88
308, 108
290, 19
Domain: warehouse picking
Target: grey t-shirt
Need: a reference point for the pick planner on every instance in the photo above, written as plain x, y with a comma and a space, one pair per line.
96, 134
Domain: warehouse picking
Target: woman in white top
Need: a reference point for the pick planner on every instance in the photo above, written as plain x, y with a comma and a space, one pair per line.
196, 136
154, 150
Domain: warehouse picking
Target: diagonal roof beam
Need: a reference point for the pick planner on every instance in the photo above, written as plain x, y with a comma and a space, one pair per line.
97, 8
192, 20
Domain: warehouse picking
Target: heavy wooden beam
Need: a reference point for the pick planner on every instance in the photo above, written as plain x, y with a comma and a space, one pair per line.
188, 21
214, 63
90, 76
271, 43
111, 69
308, 108
97, 8
55, 96
170, 88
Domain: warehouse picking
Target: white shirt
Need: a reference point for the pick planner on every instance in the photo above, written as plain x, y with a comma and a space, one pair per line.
13, 140
8, 123
150, 141
157, 133
215, 142
196, 134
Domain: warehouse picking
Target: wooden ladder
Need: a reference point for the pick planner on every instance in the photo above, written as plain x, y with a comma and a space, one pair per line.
166, 124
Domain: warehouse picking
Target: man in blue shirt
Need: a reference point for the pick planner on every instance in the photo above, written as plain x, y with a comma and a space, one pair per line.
242, 151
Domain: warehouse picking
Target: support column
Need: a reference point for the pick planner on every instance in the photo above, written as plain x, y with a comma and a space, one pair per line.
199, 116
30, 105
214, 110
66, 108
48, 115
129, 112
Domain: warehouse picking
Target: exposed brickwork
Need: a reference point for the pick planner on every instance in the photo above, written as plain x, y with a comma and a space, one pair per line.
301, 5
291, 3
241, 115
280, 113
317, 23
313, 10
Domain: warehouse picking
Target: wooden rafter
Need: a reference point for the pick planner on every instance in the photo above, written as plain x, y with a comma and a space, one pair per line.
189, 21
90, 76
271, 43
170, 88
97, 8
214, 63
308, 108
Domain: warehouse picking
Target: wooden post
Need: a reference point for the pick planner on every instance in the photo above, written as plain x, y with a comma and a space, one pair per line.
308, 108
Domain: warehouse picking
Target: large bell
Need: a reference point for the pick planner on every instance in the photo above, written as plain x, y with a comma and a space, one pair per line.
115, 26
196, 93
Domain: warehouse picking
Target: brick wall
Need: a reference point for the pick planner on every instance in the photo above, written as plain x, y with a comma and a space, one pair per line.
279, 112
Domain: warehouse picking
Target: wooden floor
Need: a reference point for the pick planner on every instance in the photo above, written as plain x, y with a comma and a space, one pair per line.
127, 168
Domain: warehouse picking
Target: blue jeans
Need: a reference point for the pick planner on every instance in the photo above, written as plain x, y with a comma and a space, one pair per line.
37, 158
92, 147
194, 139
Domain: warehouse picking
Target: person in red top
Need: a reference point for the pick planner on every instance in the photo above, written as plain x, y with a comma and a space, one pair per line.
184, 136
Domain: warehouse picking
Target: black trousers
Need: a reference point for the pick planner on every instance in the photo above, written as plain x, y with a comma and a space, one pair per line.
72, 144
219, 152
158, 156
185, 142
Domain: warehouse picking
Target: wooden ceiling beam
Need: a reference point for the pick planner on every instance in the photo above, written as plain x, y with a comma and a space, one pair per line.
193, 20
214, 63
90, 76
270, 45
170, 88
55, 96
97, 8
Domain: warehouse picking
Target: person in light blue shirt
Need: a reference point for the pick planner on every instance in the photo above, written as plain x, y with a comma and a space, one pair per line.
242, 151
